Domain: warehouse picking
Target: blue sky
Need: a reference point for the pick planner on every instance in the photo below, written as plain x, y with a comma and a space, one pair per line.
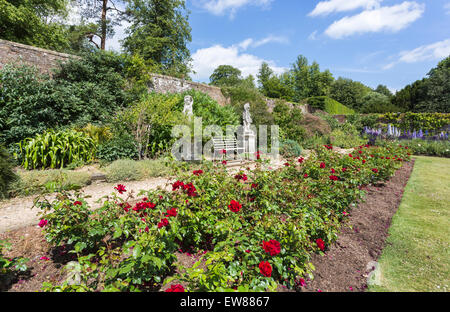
390, 42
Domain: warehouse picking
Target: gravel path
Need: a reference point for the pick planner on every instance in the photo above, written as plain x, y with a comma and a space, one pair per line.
17, 212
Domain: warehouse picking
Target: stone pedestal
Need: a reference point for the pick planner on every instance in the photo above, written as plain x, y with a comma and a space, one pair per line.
250, 144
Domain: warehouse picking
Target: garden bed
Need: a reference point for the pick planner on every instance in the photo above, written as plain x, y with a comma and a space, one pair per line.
343, 268
348, 263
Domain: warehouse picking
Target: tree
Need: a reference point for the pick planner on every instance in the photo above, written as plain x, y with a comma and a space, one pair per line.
226, 76
264, 74
438, 89
309, 80
34, 22
105, 13
375, 102
159, 32
348, 92
382, 89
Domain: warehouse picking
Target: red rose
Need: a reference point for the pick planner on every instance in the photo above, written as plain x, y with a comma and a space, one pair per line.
333, 178
125, 206
177, 185
375, 170
198, 172
224, 162
242, 177
333, 171
235, 206
305, 175
344, 169
272, 247
322, 165
120, 188
254, 185
175, 288
265, 268
301, 159
320, 244
43, 223
171, 212
77, 203
164, 222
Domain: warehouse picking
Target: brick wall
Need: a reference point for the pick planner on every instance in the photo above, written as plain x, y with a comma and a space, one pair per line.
44, 60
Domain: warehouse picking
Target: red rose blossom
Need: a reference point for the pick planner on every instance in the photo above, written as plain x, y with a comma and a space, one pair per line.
43, 223
120, 188
272, 247
77, 203
164, 222
375, 170
265, 268
175, 288
301, 159
320, 244
235, 206
322, 165
333, 178
172, 212
198, 172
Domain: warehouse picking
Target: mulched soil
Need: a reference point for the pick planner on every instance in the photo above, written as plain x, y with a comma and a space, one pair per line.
348, 263
343, 268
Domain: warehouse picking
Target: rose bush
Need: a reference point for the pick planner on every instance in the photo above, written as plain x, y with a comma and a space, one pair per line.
252, 231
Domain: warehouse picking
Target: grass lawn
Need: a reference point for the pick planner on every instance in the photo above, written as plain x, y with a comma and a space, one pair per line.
417, 252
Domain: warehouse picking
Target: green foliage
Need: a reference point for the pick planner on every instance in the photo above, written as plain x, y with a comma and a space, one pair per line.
7, 174
239, 95
308, 80
122, 146
346, 137
375, 102
130, 170
87, 90
348, 92
360, 121
160, 32
34, 23
54, 149
289, 120
9, 266
329, 105
438, 91
290, 148
27, 104
273, 86
47, 181
121, 247
422, 147
416, 121
225, 75
382, 89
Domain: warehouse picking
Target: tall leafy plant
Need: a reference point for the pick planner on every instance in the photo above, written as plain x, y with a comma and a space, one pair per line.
54, 149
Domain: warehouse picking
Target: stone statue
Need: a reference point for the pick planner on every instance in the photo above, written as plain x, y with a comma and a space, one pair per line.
247, 118
188, 106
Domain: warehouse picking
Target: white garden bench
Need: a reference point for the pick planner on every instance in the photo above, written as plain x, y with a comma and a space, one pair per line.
228, 144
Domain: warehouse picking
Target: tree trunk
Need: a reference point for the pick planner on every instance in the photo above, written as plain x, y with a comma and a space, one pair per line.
103, 36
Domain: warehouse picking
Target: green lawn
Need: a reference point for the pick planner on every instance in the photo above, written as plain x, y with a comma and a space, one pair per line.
417, 254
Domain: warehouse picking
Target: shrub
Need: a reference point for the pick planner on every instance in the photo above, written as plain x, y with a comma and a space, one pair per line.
289, 120
416, 121
314, 125
9, 266
119, 147
290, 148
54, 149
130, 170
7, 174
329, 105
346, 139
46, 181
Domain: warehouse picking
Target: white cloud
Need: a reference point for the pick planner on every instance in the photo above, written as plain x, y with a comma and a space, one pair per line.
328, 7
221, 7
392, 18
206, 60
434, 51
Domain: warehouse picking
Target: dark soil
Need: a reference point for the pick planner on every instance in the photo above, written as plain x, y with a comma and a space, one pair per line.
347, 264
343, 268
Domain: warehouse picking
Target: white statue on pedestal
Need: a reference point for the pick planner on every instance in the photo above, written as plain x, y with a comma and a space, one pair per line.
188, 106
247, 118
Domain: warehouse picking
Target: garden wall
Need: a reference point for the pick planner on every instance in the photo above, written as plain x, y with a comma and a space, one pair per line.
167, 84
44, 60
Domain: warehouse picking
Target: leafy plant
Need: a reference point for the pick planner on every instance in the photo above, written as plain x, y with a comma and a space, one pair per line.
56, 149
7, 174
